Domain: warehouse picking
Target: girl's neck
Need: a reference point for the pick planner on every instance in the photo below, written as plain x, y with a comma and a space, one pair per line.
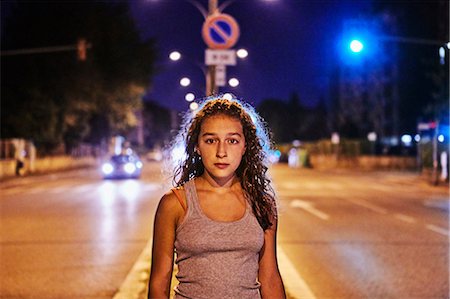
208, 182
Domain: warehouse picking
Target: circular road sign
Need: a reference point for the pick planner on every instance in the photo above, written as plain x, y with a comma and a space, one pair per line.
220, 31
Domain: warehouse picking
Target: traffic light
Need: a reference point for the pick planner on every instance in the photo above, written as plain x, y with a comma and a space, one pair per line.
356, 46
359, 43
81, 49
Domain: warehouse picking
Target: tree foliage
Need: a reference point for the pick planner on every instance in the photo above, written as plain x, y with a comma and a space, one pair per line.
290, 120
53, 97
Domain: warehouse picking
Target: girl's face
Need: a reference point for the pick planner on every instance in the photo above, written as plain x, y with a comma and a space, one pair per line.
221, 144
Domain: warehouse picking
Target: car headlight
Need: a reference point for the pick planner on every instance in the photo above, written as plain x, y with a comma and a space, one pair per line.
107, 168
129, 168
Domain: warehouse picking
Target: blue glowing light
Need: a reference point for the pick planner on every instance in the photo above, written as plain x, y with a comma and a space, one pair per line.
356, 46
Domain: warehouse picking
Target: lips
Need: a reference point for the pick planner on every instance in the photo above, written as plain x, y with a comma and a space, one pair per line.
221, 165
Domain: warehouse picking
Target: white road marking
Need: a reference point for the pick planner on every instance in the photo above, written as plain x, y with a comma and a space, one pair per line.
58, 190
438, 229
36, 190
135, 284
293, 282
440, 204
367, 205
136, 281
405, 218
81, 189
308, 207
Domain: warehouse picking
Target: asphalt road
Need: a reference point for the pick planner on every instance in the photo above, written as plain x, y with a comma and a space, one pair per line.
342, 234
73, 235
365, 235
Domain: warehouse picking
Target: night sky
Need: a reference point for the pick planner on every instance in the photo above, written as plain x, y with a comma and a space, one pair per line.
290, 44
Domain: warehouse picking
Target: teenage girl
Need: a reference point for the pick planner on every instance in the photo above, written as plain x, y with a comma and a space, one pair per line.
221, 219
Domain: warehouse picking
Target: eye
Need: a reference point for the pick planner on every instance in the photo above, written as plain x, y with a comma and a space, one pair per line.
209, 141
233, 141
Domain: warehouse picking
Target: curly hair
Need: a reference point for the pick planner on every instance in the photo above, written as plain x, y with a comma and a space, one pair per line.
252, 171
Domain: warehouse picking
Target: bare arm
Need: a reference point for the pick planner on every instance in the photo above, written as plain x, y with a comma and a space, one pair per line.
166, 218
269, 276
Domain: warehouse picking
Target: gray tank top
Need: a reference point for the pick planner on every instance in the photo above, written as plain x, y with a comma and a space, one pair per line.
216, 259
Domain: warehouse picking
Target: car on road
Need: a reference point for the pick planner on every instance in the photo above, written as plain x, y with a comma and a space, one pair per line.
122, 166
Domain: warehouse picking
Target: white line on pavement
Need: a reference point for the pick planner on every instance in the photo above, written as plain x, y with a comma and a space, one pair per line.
293, 282
36, 190
58, 190
307, 206
81, 189
367, 205
135, 284
437, 229
405, 218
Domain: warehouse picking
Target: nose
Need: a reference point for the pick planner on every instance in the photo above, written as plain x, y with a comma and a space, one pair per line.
221, 150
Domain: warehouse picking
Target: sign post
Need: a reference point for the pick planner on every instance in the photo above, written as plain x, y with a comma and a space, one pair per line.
220, 32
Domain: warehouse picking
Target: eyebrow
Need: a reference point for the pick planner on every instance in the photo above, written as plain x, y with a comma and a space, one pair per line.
214, 134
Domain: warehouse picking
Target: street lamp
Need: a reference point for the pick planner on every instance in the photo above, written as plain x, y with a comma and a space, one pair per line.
242, 53
193, 106
175, 56
189, 97
233, 82
185, 81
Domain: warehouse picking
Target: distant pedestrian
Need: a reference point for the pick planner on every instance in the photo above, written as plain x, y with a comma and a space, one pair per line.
19, 166
444, 166
221, 219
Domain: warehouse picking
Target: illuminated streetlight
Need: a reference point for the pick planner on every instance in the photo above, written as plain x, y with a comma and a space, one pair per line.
185, 81
193, 106
233, 82
242, 53
175, 55
228, 96
189, 97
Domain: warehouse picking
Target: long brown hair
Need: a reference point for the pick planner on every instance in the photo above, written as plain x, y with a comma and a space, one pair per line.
252, 171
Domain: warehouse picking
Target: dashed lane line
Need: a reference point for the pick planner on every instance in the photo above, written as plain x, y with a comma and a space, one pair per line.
367, 205
437, 229
308, 207
81, 189
58, 190
36, 190
405, 218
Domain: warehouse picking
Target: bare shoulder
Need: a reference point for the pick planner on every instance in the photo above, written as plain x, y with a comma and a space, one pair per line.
169, 205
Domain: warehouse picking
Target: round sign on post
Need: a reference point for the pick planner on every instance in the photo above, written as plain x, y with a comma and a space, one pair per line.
220, 31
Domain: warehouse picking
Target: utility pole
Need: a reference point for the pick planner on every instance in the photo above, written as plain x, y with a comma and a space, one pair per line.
211, 87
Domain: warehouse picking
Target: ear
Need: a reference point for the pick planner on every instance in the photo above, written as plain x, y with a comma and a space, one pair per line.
196, 150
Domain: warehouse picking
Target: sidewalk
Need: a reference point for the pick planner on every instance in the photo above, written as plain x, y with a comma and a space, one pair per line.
10, 182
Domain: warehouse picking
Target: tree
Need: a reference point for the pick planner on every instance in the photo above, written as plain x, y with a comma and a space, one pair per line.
293, 120
77, 100
157, 124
